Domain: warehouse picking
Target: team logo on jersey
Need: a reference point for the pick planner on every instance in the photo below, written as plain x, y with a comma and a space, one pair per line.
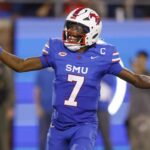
62, 54
77, 69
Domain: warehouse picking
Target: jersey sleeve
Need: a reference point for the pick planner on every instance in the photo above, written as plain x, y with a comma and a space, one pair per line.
47, 54
115, 67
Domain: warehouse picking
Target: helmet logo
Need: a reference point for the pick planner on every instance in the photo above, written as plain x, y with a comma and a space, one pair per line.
76, 13
97, 18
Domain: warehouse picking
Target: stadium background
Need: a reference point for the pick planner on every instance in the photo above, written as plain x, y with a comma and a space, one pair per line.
29, 36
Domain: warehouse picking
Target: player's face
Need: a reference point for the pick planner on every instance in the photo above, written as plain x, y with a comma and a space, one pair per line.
75, 32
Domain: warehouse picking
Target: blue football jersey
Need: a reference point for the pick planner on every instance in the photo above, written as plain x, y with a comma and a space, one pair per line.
77, 81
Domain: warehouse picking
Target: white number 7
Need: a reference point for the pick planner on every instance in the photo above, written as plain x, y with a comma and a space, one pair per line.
79, 81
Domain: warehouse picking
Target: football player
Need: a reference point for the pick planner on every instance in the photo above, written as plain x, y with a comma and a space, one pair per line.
80, 62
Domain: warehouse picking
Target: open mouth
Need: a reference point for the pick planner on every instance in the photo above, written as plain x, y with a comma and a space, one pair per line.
73, 39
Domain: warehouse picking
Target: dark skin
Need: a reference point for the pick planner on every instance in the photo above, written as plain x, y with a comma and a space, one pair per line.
34, 63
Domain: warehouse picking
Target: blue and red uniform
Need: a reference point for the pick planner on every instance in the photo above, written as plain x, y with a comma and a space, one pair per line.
77, 86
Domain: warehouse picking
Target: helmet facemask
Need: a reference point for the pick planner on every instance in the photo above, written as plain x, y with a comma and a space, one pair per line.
74, 35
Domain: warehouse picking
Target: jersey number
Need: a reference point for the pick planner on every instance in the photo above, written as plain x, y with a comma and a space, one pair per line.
79, 82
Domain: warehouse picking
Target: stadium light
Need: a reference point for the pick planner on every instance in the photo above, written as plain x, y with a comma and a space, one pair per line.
119, 95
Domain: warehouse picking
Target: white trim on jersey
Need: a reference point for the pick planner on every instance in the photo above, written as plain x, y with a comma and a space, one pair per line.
115, 53
115, 59
45, 51
47, 45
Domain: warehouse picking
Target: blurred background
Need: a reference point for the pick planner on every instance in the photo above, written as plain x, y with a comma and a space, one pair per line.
26, 25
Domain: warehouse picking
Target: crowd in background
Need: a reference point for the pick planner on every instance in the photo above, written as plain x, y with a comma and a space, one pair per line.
138, 119
57, 8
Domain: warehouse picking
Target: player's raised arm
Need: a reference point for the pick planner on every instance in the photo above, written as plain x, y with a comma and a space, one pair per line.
138, 80
18, 64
